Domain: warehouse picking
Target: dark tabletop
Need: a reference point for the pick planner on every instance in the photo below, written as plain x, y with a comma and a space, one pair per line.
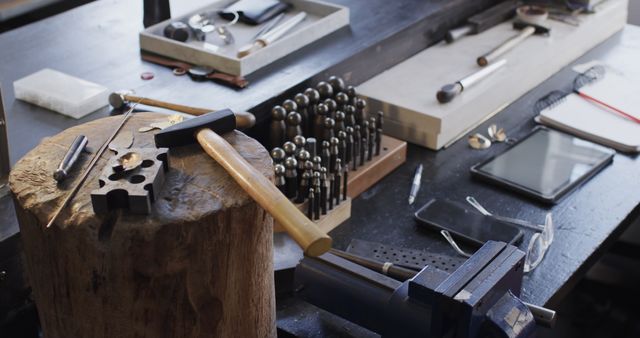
98, 42
587, 221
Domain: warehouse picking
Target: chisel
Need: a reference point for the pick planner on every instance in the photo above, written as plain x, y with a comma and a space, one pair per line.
272, 35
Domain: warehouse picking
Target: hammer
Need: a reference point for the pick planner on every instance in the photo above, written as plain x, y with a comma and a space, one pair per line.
205, 130
120, 99
526, 30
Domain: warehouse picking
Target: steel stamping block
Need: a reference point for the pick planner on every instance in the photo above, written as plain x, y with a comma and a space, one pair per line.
134, 190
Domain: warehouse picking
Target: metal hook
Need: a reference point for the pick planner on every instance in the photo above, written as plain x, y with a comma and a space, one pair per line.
453, 243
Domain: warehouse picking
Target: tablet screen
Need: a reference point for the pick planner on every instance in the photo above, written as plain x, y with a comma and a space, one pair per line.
546, 162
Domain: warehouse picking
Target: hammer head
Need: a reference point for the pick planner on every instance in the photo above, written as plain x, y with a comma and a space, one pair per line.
539, 30
181, 134
117, 99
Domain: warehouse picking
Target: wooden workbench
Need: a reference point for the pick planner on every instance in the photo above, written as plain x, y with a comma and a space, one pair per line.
103, 48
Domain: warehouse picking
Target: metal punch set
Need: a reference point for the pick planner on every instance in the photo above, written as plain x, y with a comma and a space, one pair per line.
317, 138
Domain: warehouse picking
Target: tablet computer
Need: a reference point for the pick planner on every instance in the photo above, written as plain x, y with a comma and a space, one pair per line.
545, 165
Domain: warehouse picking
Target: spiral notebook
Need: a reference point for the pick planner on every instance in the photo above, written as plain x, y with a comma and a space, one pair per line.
583, 118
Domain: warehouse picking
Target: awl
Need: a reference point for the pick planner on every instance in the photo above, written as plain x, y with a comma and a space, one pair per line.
271, 35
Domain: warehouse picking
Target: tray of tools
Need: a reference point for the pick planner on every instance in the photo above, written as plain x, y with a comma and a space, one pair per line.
231, 44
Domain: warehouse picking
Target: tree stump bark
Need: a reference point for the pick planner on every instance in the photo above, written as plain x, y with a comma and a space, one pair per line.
200, 265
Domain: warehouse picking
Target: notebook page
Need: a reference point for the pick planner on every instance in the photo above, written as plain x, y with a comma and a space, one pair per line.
576, 113
616, 90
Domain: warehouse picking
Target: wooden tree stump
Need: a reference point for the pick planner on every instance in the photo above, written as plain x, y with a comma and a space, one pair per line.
200, 265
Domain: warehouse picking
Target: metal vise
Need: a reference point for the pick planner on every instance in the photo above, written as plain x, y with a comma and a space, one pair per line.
479, 299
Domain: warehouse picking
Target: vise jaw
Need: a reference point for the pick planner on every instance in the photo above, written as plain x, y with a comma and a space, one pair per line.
479, 299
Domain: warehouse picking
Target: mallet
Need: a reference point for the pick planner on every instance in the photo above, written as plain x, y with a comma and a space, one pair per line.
205, 130
120, 99
526, 30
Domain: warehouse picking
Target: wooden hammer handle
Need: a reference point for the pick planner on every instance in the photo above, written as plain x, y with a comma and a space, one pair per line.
167, 105
244, 120
313, 241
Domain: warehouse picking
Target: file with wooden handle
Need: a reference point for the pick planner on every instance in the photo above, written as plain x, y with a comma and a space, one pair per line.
272, 35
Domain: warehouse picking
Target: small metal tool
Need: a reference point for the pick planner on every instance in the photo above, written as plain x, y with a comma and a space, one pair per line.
415, 185
92, 164
70, 158
449, 92
272, 35
203, 24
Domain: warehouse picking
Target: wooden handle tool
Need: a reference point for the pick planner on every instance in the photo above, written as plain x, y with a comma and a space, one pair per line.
313, 241
244, 120
271, 36
505, 46
206, 128
526, 30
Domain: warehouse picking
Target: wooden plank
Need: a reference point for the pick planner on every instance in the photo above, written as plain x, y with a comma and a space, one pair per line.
393, 153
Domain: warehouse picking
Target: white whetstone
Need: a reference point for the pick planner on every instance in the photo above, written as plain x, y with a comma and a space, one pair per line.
407, 91
60, 92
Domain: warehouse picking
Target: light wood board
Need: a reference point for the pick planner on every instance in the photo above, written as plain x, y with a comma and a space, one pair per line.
407, 91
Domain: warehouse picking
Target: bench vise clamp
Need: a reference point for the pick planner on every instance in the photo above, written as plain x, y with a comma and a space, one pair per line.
479, 299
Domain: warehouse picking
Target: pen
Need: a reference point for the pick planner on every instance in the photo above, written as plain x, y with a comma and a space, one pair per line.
415, 186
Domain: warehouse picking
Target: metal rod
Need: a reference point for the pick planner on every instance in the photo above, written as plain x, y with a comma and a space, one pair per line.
70, 158
93, 162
